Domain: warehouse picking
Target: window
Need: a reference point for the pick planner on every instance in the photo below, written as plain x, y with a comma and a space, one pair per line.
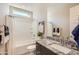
21, 12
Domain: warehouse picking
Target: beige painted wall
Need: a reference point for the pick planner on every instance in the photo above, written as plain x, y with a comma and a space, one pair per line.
74, 18
58, 14
39, 13
3, 12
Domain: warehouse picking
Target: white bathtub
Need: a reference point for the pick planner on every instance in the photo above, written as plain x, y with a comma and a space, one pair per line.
24, 47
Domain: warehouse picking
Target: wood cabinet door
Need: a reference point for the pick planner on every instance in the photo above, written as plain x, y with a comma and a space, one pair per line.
41, 50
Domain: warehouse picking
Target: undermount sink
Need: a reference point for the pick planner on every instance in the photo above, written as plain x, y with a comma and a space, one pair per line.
60, 48
49, 42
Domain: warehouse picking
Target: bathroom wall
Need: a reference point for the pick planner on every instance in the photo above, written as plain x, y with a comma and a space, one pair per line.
39, 13
58, 14
49, 29
3, 12
74, 18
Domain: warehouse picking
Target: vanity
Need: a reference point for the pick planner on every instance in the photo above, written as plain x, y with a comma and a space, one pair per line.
42, 50
48, 47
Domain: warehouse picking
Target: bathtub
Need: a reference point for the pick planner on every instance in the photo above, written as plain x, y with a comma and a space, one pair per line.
25, 47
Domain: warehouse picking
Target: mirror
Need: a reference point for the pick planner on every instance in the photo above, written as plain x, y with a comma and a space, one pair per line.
41, 29
53, 29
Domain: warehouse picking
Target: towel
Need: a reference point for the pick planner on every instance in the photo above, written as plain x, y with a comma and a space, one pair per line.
6, 29
75, 33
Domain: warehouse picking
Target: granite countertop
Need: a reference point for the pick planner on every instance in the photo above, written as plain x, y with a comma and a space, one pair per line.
45, 43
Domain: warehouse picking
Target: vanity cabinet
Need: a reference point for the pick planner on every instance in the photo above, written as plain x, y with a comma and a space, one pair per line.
41, 50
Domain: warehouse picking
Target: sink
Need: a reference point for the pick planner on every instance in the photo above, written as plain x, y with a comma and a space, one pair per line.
60, 48
49, 42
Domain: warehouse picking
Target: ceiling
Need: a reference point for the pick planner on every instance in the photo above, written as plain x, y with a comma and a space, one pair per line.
50, 4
